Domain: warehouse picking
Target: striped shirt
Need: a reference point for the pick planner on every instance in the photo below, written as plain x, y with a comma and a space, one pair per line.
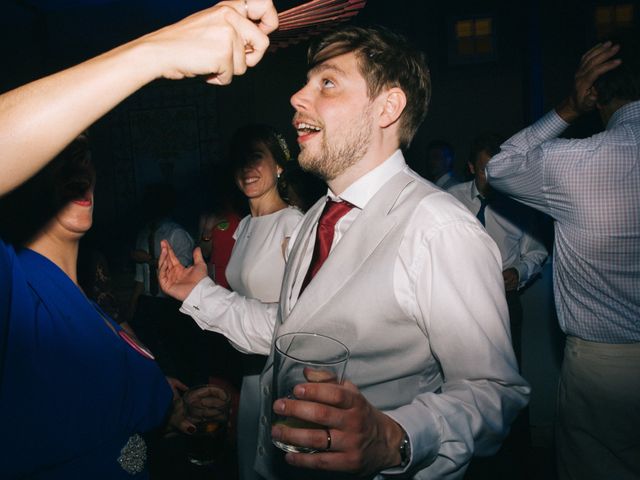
591, 187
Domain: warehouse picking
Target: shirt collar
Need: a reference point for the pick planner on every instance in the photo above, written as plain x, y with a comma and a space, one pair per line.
362, 190
474, 190
630, 111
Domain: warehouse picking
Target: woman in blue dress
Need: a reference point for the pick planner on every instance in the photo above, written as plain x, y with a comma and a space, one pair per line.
77, 395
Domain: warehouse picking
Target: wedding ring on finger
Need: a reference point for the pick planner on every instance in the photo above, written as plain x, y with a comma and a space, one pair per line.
248, 48
328, 447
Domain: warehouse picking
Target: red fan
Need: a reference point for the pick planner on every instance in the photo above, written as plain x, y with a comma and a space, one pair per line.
303, 21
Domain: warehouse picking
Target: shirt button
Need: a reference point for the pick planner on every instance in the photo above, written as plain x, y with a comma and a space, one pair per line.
263, 420
261, 450
265, 391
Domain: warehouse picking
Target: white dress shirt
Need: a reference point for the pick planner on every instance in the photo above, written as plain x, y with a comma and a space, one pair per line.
433, 286
446, 181
510, 224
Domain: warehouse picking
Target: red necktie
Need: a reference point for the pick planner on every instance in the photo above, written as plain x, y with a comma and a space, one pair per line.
333, 211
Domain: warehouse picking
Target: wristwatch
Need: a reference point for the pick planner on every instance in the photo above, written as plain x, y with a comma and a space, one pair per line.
405, 451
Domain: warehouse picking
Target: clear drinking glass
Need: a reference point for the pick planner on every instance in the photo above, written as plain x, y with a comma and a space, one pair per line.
303, 358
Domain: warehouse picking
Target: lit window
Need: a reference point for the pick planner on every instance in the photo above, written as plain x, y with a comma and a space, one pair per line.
473, 40
613, 18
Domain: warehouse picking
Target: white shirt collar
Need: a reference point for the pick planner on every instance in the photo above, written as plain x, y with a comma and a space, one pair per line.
362, 190
474, 190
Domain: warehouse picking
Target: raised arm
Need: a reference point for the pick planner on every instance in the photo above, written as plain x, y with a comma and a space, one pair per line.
518, 169
583, 97
39, 119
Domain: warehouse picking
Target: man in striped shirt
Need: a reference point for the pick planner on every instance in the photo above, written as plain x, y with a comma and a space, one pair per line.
591, 187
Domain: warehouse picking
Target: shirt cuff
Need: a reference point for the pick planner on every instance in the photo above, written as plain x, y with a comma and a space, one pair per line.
523, 274
550, 125
192, 305
424, 437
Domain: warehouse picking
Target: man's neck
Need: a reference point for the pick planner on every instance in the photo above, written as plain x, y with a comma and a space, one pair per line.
268, 203
483, 192
607, 111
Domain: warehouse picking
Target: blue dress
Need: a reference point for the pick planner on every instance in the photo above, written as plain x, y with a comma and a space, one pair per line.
73, 393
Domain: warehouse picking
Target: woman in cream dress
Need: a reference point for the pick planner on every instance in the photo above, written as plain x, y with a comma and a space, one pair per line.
256, 266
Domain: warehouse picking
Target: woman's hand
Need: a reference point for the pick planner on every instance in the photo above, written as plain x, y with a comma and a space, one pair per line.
219, 42
178, 419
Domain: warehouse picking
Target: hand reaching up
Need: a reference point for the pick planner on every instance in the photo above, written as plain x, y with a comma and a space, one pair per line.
174, 278
40, 118
593, 64
221, 41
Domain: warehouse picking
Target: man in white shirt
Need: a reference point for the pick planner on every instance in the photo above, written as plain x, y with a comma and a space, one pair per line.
510, 224
412, 285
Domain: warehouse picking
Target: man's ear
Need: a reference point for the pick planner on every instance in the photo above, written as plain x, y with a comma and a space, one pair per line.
394, 101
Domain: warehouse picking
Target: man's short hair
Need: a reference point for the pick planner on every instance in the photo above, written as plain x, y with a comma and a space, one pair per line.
385, 60
623, 82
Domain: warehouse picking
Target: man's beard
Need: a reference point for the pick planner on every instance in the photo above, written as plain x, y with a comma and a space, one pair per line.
334, 158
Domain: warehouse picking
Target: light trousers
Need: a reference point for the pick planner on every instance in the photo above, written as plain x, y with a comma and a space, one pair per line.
598, 425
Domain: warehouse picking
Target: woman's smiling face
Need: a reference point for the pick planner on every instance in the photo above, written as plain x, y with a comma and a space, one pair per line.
259, 175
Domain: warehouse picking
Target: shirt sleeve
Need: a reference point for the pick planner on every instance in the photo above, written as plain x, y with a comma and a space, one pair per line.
532, 256
518, 170
462, 309
247, 323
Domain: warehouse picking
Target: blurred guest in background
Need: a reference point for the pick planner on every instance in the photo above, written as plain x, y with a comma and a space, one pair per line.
94, 277
218, 225
179, 347
439, 164
510, 224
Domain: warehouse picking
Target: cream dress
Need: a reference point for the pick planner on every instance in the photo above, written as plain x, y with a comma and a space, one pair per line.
255, 270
